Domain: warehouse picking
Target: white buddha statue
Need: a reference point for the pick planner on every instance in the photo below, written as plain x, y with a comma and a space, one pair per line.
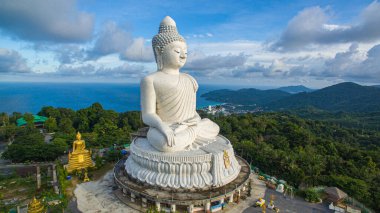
180, 149
168, 97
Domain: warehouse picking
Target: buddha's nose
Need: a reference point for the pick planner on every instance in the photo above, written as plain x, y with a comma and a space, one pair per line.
182, 55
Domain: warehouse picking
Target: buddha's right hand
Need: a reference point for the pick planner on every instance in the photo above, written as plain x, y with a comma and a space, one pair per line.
169, 135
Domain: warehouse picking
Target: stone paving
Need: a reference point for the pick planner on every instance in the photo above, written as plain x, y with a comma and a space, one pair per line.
100, 196
97, 196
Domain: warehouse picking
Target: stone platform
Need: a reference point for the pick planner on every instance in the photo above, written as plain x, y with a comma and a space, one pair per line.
143, 194
211, 165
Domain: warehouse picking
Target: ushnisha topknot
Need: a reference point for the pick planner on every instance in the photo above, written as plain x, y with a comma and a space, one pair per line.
167, 34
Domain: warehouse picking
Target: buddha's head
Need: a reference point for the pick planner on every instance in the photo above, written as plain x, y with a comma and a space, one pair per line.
79, 136
170, 49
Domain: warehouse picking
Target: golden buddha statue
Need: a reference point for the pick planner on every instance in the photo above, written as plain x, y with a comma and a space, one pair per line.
86, 178
35, 206
79, 143
79, 158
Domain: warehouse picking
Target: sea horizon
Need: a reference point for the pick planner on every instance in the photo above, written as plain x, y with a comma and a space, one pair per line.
30, 97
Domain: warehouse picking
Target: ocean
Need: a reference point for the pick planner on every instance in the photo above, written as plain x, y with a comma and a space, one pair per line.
31, 97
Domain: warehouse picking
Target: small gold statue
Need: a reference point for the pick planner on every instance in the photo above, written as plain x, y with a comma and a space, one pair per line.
35, 206
226, 158
80, 157
86, 178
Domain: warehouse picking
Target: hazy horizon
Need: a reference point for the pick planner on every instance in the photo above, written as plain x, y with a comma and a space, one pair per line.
221, 85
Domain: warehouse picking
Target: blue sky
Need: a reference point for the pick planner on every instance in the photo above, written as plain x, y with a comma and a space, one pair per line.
257, 43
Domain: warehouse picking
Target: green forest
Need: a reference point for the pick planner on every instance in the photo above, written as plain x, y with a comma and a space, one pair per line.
309, 152
99, 127
300, 150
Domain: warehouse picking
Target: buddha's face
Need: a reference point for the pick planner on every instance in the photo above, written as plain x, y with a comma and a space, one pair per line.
174, 55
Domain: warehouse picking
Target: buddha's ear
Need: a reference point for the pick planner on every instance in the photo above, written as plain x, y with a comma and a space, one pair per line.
158, 56
158, 51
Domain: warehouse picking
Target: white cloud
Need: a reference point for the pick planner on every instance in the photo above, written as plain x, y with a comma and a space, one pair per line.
336, 64
111, 39
12, 62
321, 47
277, 68
367, 69
311, 27
354, 64
344, 62
201, 62
123, 71
67, 54
46, 20
224, 48
371, 65
200, 36
138, 51
332, 27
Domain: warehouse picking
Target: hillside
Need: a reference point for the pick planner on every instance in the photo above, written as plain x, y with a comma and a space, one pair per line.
295, 89
308, 152
246, 96
349, 97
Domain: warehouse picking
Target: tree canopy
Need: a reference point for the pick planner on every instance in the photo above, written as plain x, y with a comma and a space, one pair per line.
299, 150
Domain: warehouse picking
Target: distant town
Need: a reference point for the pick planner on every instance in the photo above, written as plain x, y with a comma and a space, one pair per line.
228, 109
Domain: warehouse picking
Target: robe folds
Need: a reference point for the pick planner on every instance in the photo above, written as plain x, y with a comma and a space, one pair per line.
177, 108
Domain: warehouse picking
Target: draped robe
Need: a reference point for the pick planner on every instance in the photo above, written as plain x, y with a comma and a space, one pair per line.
177, 108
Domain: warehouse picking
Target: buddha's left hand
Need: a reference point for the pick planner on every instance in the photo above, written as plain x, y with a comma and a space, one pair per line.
169, 135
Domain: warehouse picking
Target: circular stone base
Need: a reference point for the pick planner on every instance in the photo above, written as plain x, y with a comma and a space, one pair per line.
133, 189
212, 165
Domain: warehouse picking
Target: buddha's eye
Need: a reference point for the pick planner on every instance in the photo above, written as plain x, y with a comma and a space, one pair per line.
177, 51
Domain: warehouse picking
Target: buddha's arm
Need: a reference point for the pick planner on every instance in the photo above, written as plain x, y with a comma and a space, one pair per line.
148, 110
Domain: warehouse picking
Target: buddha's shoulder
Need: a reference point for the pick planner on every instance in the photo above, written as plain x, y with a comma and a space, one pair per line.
149, 78
187, 76
192, 80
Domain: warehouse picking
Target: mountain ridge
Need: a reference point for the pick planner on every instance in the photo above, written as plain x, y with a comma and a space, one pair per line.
346, 96
249, 96
295, 89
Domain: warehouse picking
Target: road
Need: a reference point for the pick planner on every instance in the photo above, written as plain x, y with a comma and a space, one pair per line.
289, 205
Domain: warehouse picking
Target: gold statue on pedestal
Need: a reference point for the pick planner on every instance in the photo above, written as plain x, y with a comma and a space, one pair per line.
35, 206
80, 157
86, 178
